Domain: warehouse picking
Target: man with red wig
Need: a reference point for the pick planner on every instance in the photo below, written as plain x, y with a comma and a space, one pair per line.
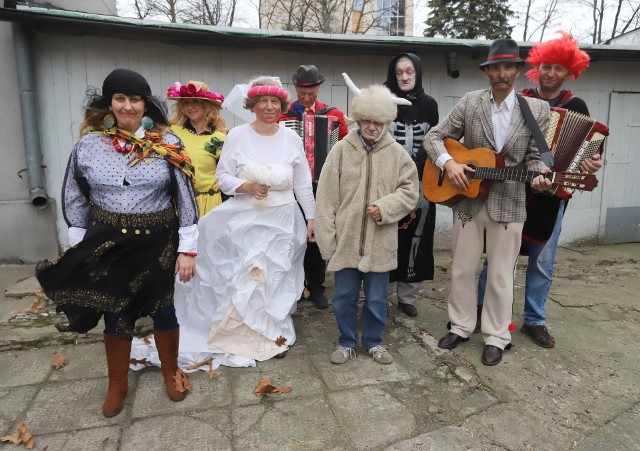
554, 62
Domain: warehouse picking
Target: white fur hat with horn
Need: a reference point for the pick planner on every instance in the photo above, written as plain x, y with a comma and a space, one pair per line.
373, 103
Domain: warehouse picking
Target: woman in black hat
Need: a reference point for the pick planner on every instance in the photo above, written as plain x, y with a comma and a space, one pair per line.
129, 203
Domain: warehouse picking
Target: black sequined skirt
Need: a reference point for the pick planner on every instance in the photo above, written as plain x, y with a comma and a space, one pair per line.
124, 265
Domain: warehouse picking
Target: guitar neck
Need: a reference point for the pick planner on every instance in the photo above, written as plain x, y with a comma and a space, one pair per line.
503, 174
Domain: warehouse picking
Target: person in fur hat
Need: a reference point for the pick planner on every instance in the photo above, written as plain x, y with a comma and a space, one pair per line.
367, 184
554, 62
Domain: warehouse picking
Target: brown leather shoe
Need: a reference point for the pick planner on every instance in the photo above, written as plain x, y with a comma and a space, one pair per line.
539, 335
451, 340
492, 355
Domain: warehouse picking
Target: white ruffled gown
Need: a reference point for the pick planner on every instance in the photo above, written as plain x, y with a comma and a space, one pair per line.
249, 266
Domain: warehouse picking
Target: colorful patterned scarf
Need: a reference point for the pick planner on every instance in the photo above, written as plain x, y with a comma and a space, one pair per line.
152, 146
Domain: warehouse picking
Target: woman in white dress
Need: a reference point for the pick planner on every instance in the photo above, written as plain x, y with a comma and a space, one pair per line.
249, 272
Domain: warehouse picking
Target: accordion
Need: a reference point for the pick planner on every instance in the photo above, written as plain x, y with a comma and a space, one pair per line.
572, 138
319, 133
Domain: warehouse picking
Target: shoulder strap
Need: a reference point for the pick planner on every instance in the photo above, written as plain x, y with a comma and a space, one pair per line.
535, 131
567, 96
325, 109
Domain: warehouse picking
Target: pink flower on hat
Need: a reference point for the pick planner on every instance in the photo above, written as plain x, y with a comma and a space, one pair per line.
191, 90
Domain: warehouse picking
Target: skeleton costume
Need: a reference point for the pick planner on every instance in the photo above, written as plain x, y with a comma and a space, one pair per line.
415, 231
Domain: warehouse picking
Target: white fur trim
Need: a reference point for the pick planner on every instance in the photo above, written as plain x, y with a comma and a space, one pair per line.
374, 103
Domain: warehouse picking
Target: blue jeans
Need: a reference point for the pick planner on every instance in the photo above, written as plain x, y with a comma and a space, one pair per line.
538, 278
374, 312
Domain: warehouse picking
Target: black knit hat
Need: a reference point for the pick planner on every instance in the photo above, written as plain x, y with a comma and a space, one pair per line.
125, 81
503, 51
129, 82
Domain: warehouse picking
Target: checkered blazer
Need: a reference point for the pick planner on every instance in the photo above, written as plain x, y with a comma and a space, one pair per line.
471, 119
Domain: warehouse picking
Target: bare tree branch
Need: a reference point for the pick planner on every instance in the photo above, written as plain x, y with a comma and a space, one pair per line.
141, 8
635, 17
526, 20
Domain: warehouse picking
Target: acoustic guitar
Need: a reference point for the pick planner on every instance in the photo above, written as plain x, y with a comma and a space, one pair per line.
489, 167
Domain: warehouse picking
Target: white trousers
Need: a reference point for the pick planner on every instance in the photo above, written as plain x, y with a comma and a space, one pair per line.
502, 247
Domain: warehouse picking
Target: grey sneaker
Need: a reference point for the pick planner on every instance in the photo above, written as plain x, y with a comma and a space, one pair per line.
381, 355
342, 354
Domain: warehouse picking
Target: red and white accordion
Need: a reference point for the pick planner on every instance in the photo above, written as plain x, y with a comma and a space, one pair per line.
572, 138
319, 133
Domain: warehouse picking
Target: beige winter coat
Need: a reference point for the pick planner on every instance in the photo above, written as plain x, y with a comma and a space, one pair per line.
352, 180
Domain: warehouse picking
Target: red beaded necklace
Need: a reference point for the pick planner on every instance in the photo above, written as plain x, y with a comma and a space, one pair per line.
119, 148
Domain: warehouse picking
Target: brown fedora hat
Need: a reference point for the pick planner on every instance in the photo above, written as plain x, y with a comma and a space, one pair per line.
307, 77
503, 50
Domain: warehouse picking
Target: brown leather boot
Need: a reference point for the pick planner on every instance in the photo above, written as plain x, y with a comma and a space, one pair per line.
177, 383
118, 352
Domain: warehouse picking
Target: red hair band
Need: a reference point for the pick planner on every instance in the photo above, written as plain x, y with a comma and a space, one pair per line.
563, 51
268, 90
506, 55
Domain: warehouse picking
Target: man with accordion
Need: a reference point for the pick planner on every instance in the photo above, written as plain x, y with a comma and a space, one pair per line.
320, 126
554, 62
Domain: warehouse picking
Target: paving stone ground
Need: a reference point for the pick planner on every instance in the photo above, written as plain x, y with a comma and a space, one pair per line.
584, 394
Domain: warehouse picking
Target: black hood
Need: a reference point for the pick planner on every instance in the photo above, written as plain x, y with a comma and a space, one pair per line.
392, 81
423, 107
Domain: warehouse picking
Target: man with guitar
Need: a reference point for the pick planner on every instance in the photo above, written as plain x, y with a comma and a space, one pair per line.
490, 118
555, 62
307, 82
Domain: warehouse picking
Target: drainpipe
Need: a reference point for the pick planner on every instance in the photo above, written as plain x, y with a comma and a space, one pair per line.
29, 109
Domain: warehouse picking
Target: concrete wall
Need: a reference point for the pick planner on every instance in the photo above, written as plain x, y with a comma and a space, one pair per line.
26, 232
66, 65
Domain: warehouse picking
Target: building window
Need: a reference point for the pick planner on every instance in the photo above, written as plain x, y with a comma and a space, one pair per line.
391, 15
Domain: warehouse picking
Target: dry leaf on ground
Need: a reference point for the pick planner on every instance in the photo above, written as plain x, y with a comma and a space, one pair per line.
306, 293
21, 436
181, 381
59, 360
15, 313
144, 362
206, 362
281, 340
197, 365
37, 305
265, 387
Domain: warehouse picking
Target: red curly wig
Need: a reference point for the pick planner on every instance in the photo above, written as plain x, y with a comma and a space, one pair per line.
563, 50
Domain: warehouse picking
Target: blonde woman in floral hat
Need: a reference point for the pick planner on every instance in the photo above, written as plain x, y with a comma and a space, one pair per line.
196, 120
